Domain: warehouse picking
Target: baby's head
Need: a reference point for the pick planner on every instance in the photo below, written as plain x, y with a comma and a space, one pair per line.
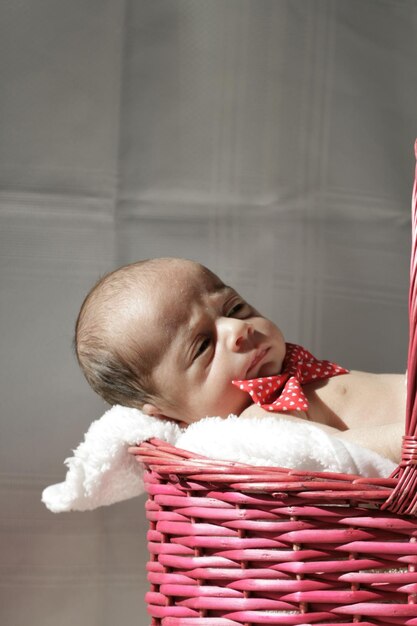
168, 336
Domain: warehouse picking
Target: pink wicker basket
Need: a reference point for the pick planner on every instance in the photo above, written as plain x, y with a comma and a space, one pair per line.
232, 544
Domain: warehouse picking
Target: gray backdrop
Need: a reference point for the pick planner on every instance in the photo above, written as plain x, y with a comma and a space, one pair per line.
269, 139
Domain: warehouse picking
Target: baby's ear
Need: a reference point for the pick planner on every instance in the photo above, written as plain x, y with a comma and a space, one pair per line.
151, 409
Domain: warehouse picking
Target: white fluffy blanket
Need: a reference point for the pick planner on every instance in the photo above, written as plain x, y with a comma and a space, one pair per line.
102, 471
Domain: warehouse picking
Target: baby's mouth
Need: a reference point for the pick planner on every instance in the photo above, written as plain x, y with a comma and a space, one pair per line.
259, 355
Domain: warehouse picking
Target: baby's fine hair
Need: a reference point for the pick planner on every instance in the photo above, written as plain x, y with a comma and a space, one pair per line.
113, 363
114, 356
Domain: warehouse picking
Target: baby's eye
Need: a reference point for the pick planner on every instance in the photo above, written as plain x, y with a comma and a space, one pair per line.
238, 309
202, 347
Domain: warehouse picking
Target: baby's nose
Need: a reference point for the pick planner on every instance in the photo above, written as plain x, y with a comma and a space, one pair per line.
238, 334
243, 336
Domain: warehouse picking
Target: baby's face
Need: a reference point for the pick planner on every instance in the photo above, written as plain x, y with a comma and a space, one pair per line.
207, 336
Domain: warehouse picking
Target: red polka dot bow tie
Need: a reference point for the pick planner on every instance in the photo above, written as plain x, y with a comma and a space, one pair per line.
283, 392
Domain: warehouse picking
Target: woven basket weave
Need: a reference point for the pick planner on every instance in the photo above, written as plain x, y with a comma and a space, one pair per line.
232, 544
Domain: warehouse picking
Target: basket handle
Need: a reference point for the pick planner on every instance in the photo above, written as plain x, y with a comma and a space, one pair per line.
403, 499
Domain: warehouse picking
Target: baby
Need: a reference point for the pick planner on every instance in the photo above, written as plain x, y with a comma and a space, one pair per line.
167, 336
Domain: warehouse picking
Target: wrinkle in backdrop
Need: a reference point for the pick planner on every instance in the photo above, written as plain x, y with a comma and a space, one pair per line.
271, 140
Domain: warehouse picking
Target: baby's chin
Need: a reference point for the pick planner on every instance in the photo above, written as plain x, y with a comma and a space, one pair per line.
269, 369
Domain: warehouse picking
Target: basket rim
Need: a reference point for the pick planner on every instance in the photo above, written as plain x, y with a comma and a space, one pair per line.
190, 470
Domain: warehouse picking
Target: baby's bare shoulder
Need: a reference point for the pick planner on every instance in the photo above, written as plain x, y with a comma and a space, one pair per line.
380, 398
358, 378
361, 374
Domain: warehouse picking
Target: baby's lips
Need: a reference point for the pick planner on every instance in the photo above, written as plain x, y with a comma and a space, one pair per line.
254, 362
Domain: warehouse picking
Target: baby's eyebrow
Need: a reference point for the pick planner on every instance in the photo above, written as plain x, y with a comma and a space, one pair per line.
230, 291
215, 286
223, 288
